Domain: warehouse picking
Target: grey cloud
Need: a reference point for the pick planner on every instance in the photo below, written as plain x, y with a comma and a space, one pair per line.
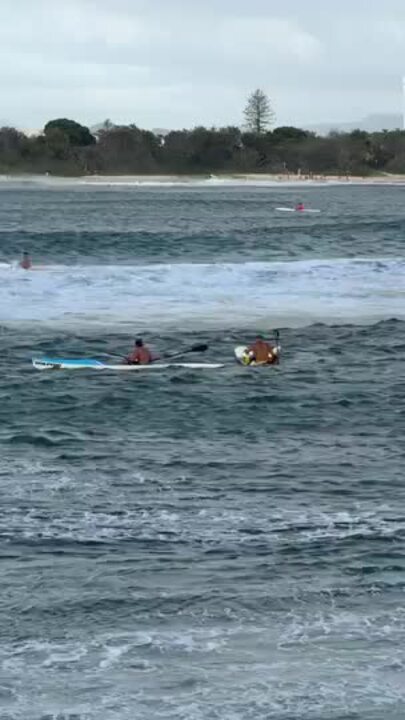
177, 63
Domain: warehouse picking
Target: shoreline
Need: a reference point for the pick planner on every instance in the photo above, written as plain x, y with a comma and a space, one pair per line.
213, 179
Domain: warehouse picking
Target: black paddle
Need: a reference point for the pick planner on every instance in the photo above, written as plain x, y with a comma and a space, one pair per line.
114, 355
194, 348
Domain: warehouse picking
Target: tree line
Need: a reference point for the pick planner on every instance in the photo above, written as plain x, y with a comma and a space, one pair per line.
66, 147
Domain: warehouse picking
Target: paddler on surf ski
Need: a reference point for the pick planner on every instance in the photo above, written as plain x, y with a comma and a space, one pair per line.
140, 355
260, 353
300, 207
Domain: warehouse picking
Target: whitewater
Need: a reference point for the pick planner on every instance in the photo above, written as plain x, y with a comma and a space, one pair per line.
290, 293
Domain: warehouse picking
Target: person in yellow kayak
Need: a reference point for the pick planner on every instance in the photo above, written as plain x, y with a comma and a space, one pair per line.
140, 355
261, 352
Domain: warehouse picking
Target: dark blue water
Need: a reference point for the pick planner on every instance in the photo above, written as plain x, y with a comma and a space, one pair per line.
217, 545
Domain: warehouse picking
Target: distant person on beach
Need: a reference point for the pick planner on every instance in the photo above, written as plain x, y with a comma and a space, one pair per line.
261, 352
140, 355
25, 262
300, 207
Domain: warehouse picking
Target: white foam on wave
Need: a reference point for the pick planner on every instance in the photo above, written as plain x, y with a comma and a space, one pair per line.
284, 527
192, 181
290, 293
311, 664
182, 181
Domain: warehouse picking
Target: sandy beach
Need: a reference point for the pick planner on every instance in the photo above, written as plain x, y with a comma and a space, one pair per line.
268, 179
240, 178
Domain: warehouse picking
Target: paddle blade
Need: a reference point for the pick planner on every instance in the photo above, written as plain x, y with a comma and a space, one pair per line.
197, 348
193, 348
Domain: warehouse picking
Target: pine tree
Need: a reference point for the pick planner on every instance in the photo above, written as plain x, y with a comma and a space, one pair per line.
259, 114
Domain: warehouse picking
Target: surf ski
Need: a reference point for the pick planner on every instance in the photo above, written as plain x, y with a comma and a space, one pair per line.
48, 363
296, 210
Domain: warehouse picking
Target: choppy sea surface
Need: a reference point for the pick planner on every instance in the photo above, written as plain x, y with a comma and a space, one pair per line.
217, 545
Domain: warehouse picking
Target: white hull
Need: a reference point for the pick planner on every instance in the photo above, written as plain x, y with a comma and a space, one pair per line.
299, 212
66, 364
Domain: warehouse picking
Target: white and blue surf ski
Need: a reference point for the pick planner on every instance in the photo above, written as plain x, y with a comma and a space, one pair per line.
48, 363
295, 210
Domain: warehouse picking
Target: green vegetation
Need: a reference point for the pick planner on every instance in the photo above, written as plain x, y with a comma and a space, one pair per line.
68, 131
67, 148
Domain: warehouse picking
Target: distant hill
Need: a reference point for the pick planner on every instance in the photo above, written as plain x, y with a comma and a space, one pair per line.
371, 123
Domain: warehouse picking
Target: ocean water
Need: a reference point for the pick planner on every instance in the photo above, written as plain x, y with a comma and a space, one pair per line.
217, 545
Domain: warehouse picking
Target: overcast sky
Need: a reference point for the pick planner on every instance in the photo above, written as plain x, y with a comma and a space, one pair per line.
178, 63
